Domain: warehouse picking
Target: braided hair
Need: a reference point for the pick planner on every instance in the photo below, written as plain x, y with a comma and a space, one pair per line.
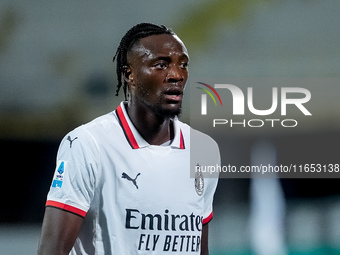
131, 37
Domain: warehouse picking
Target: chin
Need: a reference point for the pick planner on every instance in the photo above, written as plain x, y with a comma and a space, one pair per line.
168, 112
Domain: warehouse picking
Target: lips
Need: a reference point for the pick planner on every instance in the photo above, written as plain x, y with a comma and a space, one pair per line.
174, 94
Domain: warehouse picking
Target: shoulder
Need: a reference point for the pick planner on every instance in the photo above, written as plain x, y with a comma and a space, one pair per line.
99, 125
204, 152
90, 133
203, 148
198, 138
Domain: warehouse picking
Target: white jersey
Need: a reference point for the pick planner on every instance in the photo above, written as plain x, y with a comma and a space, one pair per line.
135, 198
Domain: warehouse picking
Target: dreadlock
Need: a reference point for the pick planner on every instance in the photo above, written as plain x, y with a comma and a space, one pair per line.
132, 36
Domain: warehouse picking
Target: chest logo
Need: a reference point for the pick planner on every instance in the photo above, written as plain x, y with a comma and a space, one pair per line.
199, 181
125, 176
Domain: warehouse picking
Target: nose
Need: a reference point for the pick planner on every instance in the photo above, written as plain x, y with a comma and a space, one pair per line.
175, 75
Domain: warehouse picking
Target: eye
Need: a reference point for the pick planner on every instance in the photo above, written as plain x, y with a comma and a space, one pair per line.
184, 65
161, 65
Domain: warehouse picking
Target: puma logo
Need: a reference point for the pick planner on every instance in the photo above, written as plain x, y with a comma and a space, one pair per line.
125, 176
70, 140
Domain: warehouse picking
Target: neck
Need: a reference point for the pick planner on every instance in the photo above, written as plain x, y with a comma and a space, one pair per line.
155, 129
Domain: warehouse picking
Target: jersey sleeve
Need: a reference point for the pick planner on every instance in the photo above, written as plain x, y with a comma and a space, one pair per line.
211, 182
208, 200
74, 179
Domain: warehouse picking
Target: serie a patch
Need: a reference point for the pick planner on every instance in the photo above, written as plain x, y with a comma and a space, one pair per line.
59, 174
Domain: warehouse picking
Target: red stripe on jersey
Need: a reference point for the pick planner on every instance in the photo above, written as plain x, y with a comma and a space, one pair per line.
181, 146
208, 219
65, 207
127, 131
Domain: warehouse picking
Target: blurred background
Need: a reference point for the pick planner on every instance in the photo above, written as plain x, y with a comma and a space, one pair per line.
56, 73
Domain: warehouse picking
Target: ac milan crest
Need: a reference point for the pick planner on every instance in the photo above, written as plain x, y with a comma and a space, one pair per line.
199, 181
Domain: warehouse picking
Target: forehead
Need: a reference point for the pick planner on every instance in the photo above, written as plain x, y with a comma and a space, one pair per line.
159, 45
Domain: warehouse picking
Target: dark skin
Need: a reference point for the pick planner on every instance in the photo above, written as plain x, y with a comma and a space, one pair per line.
156, 86
59, 231
156, 75
61, 228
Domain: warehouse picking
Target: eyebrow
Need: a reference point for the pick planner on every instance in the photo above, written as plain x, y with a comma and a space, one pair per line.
168, 59
165, 58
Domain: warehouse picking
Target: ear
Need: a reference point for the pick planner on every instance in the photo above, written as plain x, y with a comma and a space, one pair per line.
127, 75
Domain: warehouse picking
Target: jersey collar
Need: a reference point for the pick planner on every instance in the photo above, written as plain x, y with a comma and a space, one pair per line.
135, 140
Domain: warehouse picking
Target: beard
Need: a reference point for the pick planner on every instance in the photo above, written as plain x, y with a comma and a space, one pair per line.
159, 104
161, 107
164, 112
